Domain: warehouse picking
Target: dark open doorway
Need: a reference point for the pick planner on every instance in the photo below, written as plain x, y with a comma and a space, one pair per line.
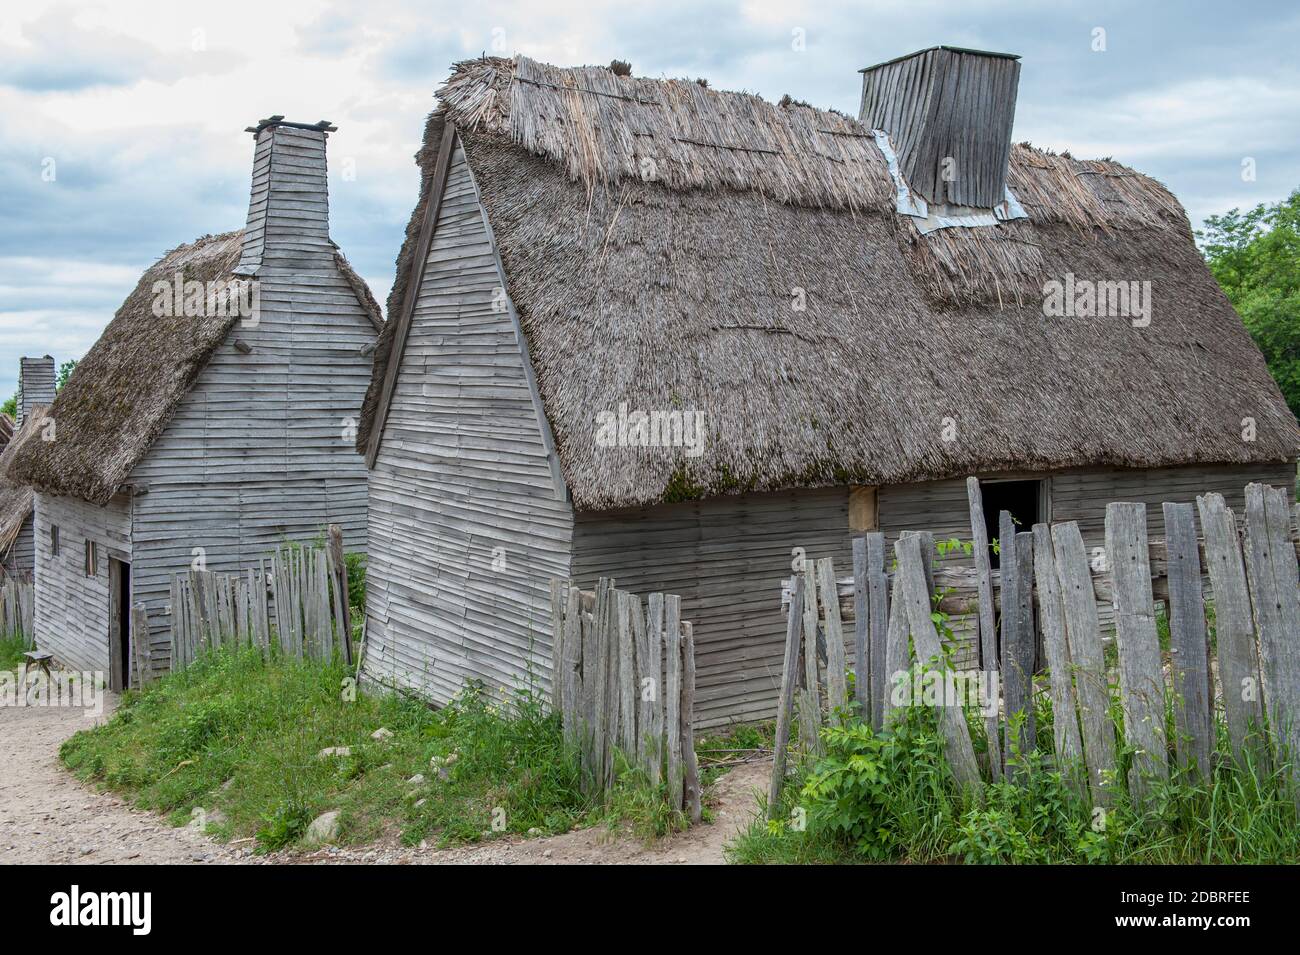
119, 624
1022, 499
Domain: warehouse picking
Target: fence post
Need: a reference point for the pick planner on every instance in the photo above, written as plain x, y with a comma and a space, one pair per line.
694, 809
1189, 644
1065, 716
785, 704
342, 599
1234, 629
912, 590
1271, 564
1083, 635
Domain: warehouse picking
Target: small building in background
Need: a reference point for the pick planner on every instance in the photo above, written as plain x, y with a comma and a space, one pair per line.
214, 418
36, 387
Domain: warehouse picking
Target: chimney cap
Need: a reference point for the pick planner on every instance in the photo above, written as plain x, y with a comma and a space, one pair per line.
953, 49
323, 126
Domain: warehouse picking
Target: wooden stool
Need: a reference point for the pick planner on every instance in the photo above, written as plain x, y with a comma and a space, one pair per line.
40, 658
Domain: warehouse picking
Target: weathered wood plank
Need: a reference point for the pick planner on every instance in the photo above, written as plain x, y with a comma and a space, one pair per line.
1189, 644
911, 590
627, 733
1141, 677
861, 624
1065, 716
655, 641
1274, 576
837, 695
1083, 636
691, 785
673, 717
984, 576
878, 629
785, 707
1234, 629
1017, 669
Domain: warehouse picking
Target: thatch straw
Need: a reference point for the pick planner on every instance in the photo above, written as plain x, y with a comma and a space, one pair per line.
15, 498
678, 294
134, 377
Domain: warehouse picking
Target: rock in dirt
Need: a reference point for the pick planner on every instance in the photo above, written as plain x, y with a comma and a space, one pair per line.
324, 828
381, 734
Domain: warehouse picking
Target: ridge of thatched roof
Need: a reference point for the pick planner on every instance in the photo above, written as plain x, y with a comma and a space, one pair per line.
15, 498
132, 380
675, 291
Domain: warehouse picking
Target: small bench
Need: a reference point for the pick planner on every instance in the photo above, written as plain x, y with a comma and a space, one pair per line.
39, 658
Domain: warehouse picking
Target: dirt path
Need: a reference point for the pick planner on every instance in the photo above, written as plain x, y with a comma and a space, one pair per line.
731, 800
47, 816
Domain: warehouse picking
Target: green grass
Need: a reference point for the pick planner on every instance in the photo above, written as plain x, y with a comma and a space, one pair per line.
11, 652
240, 735
890, 797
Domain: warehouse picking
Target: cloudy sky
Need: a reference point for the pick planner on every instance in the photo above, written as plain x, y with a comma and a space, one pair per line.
121, 124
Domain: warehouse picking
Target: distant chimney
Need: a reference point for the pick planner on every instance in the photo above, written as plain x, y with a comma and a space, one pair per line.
288, 210
35, 385
948, 112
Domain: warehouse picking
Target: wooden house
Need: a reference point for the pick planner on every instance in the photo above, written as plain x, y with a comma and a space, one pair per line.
213, 418
35, 394
649, 330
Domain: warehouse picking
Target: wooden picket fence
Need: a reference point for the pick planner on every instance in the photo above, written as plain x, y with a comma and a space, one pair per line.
296, 599
1039, 614
17, 609
624, 683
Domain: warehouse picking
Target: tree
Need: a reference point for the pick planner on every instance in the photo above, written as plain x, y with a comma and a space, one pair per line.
1255, 256
64, 371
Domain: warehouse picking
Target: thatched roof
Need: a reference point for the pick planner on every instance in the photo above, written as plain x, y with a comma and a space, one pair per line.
6, 430
679, 293
131, 381
15, 498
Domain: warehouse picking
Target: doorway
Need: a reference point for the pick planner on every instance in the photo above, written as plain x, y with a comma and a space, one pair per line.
1021, 499
119, 625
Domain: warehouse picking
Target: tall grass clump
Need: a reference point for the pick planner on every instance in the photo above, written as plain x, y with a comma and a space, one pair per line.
889, 797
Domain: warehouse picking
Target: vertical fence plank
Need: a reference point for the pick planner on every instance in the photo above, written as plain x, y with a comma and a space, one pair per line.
861, 626
837, 691
1273, 575
1234, 628
1141, 677
612, 693
672, 636
1017, 665
785, 703
691, 785
1083, 636
627, 675
898, 657
1065, 716
655, 642
878, 629
644, 670
809, 691
570, 665
912, 590
1188, 644
558, 595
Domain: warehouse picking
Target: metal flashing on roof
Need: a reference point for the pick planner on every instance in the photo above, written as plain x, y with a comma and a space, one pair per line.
931, 218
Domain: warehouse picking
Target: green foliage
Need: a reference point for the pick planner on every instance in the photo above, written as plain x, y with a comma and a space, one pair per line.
1255, 256
11, 652
243, 735
65, 370
10, 407
890, 797
356, 564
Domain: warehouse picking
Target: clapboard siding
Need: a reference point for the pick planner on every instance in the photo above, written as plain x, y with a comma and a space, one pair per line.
71, 608
21, 558
462, 470
726, 558
261, 450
